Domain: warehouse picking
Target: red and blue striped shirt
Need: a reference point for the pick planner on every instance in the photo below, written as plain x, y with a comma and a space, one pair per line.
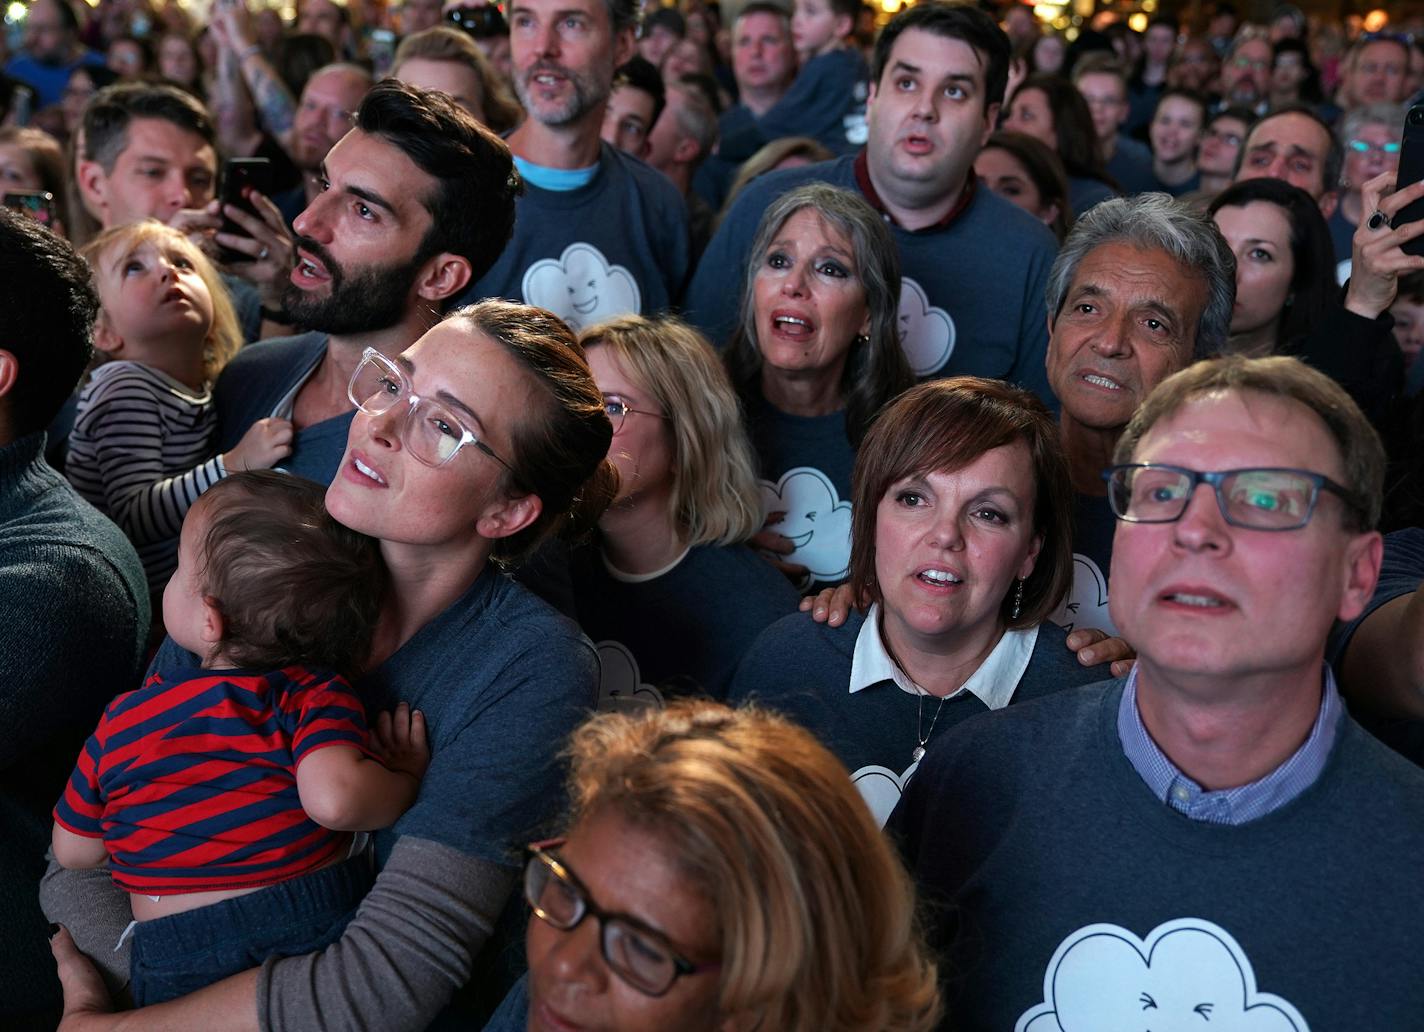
191, 779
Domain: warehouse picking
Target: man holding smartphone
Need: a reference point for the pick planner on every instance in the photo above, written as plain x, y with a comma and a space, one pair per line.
149, 152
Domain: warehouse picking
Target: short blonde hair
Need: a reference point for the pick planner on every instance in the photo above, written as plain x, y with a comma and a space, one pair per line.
715, 499
815, 910
225, 335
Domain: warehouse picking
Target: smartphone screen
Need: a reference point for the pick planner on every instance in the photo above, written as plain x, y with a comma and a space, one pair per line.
237, 175
37, 204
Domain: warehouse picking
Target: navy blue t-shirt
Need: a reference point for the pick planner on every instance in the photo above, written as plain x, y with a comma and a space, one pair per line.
805, 465
616, 246
682, 633
257, 381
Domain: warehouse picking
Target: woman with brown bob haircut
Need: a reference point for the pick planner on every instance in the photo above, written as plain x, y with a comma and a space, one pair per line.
961, 537
717, 874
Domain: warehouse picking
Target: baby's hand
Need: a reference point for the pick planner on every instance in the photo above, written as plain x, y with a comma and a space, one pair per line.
266, 443
399, 740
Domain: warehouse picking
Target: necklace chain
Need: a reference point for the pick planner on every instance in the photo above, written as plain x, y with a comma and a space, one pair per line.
918, 752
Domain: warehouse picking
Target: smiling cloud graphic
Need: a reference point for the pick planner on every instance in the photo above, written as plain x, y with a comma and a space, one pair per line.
581, 287
1188, 975
817, 521
620, 683
926, 332
1086, 604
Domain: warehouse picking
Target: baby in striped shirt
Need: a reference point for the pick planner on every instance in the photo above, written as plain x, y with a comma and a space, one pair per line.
144, 439
223, 794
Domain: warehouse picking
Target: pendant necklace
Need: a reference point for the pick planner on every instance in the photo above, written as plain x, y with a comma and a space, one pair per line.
918, 753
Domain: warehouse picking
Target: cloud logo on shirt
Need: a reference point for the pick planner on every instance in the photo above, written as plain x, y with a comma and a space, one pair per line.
1086, 604
926, 332
881, 788
816, 521
620, 683
1188, 974
582, 287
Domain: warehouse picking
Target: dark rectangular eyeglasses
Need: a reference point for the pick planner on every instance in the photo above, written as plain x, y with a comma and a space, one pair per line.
1257, 499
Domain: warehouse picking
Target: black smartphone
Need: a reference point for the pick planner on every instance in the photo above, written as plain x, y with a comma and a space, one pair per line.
237, 175
37, 204
1411, 170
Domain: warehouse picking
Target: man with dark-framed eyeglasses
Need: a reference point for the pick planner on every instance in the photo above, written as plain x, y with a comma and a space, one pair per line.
1177, 840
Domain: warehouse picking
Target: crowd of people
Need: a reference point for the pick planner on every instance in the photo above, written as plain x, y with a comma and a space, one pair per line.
569, 514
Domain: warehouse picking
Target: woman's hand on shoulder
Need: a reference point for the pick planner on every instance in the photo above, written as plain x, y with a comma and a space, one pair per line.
832, 605
1094, 646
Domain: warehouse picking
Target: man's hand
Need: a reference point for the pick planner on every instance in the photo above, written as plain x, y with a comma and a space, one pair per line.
269, 244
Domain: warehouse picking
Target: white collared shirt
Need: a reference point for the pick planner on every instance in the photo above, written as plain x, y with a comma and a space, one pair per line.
993, 683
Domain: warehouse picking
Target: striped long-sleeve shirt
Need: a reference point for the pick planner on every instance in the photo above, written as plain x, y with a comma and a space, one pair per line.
142, 451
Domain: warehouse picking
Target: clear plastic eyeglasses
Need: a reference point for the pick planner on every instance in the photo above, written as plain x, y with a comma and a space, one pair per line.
634, 952
1257, 499
432, 432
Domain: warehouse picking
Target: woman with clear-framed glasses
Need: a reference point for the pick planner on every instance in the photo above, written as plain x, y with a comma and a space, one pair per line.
667, 588
718, 873
468, 449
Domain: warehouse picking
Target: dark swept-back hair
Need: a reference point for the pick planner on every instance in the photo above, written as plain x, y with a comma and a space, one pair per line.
109, 112
47, 310
876, 368
472, 208
943, 426
963, 22
294, 586
559, 450
1072, 126
1313, 290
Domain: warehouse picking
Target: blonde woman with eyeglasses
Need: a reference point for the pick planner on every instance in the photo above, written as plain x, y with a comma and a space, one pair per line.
668, 588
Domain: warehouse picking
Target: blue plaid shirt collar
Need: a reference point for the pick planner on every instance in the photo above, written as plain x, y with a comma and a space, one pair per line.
1231, 805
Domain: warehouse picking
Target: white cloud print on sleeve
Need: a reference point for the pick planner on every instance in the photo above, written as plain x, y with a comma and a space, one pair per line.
582, 287
1188, 974
816, 521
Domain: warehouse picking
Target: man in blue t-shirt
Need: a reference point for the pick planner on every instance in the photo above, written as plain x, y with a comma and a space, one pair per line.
599, 233
1172, 843
380, 253
974, 266
52, 50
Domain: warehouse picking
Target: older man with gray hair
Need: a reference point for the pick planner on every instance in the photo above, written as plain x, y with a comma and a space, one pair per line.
1142, 287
